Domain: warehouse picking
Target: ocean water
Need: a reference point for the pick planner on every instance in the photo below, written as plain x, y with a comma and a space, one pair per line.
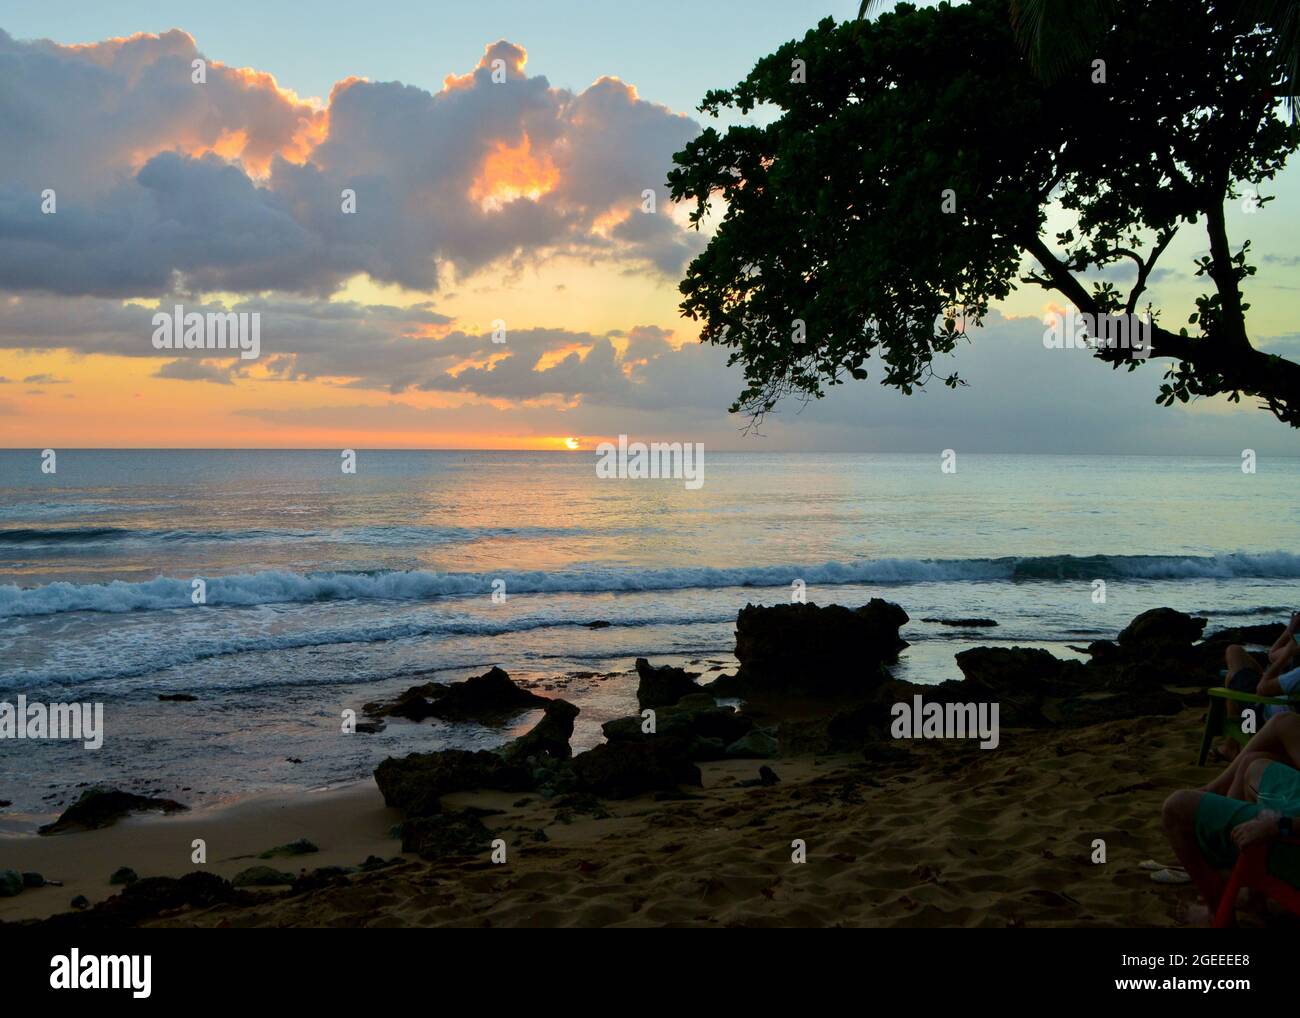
325, 590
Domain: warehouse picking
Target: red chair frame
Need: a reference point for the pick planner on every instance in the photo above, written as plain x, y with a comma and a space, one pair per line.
1251, 870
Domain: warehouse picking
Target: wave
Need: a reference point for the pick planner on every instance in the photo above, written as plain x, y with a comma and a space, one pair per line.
75, 537
280, 587
183, 652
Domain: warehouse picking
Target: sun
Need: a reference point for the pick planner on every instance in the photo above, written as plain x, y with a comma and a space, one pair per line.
572, 443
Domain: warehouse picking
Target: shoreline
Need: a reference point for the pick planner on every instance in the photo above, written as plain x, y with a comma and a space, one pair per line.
944, 834
348, 822
807, 807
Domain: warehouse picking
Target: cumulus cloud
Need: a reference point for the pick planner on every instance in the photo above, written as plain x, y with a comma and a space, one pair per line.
235, 185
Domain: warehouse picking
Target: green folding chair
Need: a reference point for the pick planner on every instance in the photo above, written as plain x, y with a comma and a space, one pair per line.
1219, 725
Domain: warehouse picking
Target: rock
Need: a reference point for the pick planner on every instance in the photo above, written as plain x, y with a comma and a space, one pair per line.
758, 744
705, 731
1257, 636
123, 875
447, 834
414, 783
549, 737
621, 770
489, 697
370, 727
300, 847
177, 697
766, 778
663, 686
822, 651
262, 876
1010, 668
80, 902
34, 880
598, 624
1162, 625
11, 883
148, 897
100, 807
5, 802
963, 623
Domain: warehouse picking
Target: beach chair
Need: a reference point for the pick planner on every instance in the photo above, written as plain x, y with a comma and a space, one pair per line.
1219, 725
1252, 871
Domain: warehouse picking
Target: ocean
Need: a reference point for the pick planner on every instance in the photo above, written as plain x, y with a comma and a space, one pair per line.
324, 590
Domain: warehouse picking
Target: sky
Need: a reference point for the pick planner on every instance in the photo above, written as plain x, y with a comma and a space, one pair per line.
500, 283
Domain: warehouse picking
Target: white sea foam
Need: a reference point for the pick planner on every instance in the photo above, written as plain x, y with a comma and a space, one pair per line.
279, 587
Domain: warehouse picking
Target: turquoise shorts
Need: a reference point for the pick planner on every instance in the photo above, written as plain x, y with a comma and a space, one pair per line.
1217, 816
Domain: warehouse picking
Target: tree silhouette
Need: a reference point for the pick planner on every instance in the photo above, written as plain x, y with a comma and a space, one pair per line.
907, 178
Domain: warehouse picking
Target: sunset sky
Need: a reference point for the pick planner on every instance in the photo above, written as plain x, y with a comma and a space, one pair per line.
476, 202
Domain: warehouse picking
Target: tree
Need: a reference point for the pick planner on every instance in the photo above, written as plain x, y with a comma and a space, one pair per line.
908, 176
1059, 35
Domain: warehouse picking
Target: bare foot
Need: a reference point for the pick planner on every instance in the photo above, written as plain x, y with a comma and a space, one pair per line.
1194, 913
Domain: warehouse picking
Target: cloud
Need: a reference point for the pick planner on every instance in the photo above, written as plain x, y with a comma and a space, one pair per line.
235, 185
196, 371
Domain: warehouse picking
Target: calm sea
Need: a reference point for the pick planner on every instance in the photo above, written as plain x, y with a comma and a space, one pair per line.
325, 589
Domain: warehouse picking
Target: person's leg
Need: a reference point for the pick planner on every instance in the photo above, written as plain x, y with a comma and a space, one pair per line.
1244, 673
1179, 818
1236, 658
1246, 785
1279, 738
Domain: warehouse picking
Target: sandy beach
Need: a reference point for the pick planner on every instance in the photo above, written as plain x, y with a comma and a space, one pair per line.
946, 835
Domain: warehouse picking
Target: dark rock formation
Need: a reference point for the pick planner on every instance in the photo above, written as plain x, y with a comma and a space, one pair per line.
490, 697
831, 651
262, 876
143, 900
963, 623
1261, 636
415, 783
100, 807
549, 737
1161, 625
300, 847
621, 770
663, 686
447, 834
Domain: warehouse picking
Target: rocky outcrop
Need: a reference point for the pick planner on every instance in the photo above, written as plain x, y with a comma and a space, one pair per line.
416, 782
490, 697
963, 623
449, 834
549, 737
827, 651
621, 770
663, 686
683, 723
1261, 636
1161, 626
146, 899
101, 807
